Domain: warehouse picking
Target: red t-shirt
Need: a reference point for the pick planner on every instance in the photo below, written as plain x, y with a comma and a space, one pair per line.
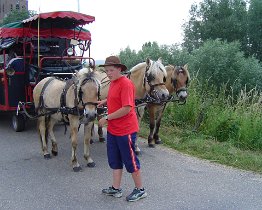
122, 93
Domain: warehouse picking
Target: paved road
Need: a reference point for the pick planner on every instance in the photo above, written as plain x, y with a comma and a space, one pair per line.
173, 180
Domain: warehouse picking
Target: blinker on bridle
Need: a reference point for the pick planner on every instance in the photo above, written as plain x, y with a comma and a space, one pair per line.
80, 94
179, 70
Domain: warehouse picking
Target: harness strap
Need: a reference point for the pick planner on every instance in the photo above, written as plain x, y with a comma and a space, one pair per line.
145, 76
41, 97
68, 84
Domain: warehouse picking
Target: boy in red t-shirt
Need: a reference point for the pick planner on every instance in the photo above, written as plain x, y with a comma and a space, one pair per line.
121, 130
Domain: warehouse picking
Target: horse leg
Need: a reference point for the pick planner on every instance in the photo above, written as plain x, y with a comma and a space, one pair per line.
52, 137
41, 127
92, 135
150, 138
137, 149
100, 132
74, 123
139, 113
156, 136
158, 123
87, 136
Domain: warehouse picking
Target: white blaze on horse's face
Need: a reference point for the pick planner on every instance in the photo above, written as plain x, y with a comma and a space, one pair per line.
156, 78
89, 98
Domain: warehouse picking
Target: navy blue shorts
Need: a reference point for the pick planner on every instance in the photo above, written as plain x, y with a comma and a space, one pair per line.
121, 151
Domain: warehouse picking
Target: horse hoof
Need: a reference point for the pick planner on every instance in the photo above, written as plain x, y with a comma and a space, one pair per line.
158, 142
152, 145
138, 152
102, 139
77, 169
91, 141
91, 165
54, 153
47, 156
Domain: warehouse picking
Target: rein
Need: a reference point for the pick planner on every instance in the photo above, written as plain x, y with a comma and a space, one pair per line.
147, 79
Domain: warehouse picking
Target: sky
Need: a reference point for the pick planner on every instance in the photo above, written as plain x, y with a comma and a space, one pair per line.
125, 23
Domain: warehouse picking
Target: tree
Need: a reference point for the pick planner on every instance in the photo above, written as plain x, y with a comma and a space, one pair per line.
129, 57
221, 63
254, 29
17, 15
216, 19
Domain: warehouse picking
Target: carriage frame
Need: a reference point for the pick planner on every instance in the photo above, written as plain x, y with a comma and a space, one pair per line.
47, 44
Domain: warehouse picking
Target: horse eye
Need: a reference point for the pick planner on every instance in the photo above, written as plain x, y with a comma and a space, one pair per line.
164, 79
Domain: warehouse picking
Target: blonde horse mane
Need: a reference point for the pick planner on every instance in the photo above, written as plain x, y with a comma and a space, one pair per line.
154, 67
85, 73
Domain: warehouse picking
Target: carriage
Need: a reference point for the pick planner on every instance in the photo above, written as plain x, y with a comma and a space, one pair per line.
47, 44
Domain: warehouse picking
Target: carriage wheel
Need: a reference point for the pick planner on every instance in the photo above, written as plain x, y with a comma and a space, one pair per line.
18, 122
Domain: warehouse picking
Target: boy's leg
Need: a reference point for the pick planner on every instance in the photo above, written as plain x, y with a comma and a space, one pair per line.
126, 146
132, 164
137, 179
115, 162
117, 176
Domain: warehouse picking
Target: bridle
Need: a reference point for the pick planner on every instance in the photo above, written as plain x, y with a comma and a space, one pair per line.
148, 78
179, 70
80, 92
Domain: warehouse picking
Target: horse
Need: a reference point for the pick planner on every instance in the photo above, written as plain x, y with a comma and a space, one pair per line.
149, 79
71, 101
177, 82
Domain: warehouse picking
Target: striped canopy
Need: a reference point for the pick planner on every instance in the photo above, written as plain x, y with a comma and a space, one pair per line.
54, 24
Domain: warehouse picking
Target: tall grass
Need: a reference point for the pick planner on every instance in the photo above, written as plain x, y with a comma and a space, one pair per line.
235, 119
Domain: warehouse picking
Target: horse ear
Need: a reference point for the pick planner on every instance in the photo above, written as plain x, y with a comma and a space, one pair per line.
76, 73
159, 60
92, 66
186, 66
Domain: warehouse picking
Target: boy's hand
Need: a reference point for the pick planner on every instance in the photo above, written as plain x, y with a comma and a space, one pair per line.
101, 103
102, 122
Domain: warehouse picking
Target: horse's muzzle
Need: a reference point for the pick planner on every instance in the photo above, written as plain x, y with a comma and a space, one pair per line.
161, 95
90, 115
182, 95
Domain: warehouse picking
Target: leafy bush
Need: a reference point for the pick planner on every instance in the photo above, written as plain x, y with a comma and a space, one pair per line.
223, 63
226, 130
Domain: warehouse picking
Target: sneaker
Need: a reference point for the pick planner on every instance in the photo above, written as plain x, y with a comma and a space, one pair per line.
136, 195
117, 193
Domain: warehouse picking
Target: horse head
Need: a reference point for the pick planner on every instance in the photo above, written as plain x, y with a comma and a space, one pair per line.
88, 88
155, 78
178, 80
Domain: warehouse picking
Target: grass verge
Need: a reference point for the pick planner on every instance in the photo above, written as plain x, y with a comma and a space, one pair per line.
204, 147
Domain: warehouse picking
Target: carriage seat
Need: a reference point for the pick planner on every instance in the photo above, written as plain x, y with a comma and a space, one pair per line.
32, 74
17, 64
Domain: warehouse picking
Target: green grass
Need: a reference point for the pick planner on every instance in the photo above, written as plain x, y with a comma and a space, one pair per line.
208, 148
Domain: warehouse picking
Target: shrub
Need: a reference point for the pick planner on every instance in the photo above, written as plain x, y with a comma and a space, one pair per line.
226, 130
